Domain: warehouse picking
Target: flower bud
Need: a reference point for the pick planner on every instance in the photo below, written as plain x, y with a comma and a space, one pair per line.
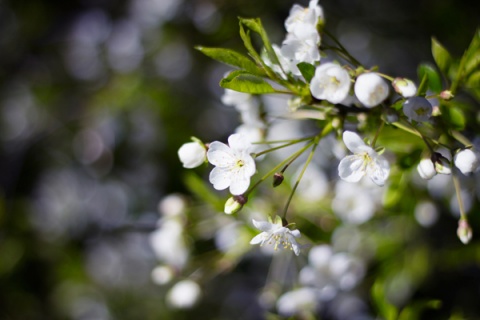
404, 87
235, 204
446, 95
192, 154
464, 231
277, 179
466, 160
426, 169
370, 89
418, 109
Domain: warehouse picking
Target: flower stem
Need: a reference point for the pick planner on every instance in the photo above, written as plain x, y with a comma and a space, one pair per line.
282, 146
342, 49
377, 134
309, 159
459, 197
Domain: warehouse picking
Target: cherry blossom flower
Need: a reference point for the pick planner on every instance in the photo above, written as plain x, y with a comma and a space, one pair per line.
364, 161
276, 233
370, 89
466, 160
300, 16
331, 82
233, 164
418, 109
304, 49
192, 154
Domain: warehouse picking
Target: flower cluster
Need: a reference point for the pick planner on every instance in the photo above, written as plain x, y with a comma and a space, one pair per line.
336, 122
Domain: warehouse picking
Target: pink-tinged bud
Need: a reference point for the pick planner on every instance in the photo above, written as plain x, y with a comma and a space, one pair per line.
446, 95
277, 179
404, 87
464, 231
235, 204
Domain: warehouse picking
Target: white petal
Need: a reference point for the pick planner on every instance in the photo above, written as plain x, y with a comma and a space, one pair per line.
219, 154
259, 238
262, 225
220, 178
379, 170
239, 142
239, 185
353, 142
351, 168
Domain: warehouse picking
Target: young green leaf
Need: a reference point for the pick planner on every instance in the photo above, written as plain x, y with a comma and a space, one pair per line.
434, 82
442, 57
246, 82
307, 70
232, 58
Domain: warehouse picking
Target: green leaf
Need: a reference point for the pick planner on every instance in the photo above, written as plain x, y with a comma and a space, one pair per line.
232, 58
442, 57
256, 26
242, 81
472, 55
198, 187
307, 70
434, 82
247, 42
386, 310
453, 115
473, 84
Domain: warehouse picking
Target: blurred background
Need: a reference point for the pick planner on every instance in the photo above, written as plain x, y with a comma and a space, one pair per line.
96, 96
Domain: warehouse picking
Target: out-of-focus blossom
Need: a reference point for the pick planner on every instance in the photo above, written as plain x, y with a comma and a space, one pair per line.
162, 275
233, 164
184, 294
404, 87
370, 89
331, 82
466, 161
298, 302
364, 161
301, 18
418, 109
426, 213
168, 243
192, 154
281, 236
355, 203
426, 169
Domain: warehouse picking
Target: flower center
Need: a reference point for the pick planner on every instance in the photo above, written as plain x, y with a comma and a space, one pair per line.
240, 163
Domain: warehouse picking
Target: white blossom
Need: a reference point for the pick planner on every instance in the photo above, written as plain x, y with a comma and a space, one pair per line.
426, 169
466, 160
370, 89
303, 49
418, 109
300, 16
184, 294
192, 154
404, 87
276, 233
331, 82
442, 160
233, 164
364, 161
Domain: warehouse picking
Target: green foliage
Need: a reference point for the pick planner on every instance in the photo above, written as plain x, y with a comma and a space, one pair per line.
232, 58
243, 81
430, 79
441, 56
307, 70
